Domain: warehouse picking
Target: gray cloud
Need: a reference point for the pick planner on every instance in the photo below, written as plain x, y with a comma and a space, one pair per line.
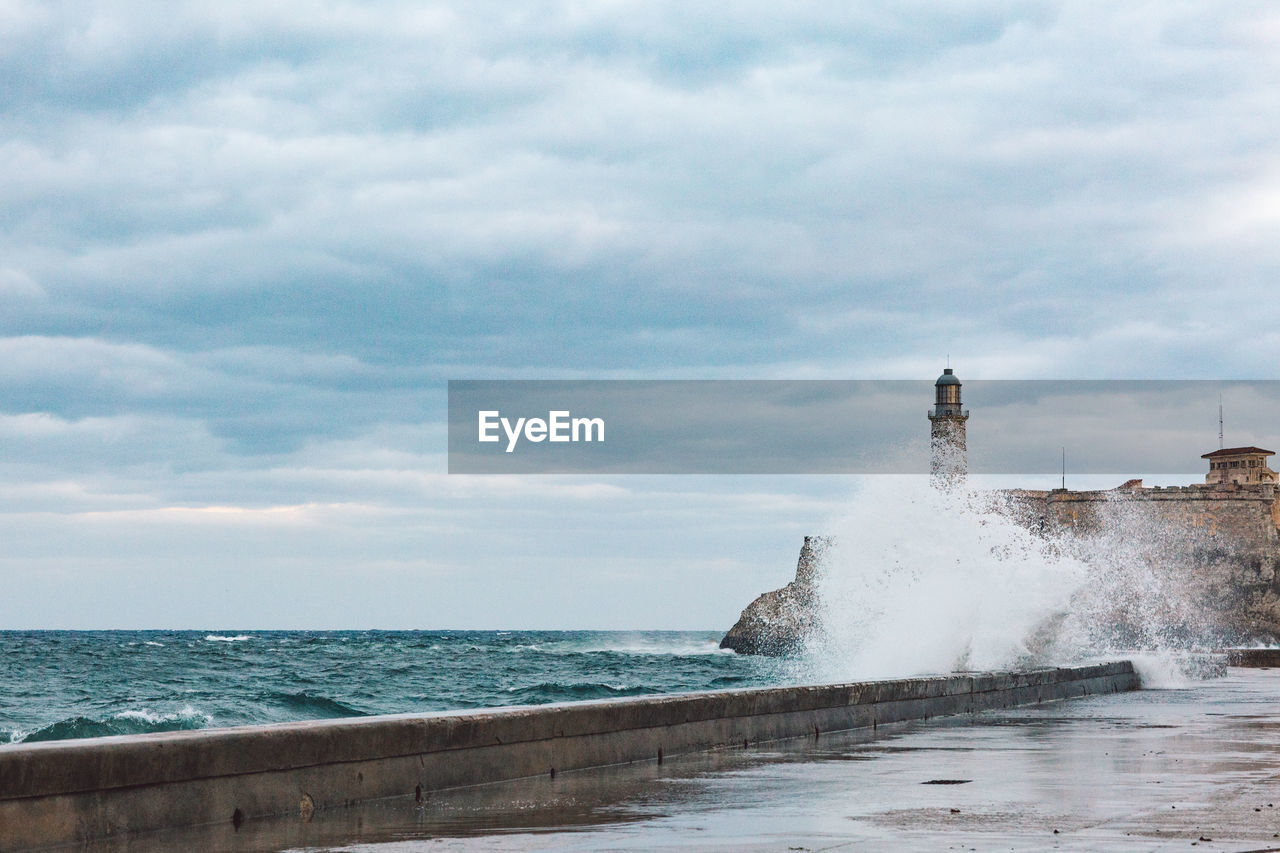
247, 234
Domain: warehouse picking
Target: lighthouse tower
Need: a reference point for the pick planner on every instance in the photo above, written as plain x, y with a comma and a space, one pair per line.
947, 465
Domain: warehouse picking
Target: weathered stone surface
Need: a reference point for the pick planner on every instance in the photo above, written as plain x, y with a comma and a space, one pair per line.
778, 623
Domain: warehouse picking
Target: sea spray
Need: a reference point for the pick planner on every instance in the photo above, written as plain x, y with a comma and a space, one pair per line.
1164, 670
925, 580
1152, 582
1154, 592
920, 579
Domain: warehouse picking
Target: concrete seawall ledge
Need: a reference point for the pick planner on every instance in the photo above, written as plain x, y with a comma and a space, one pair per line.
1260, 658
79, 791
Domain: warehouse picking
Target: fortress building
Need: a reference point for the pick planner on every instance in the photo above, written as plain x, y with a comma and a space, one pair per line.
1239, 465
947, 462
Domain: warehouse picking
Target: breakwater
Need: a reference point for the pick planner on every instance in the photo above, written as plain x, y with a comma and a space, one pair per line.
81, 791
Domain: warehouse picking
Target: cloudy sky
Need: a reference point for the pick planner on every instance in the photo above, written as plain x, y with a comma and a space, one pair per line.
243, 246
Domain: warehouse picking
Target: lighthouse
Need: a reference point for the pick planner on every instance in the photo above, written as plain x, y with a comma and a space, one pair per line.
947, 465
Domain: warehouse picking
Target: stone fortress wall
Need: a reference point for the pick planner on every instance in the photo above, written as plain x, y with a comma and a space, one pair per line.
1243, 512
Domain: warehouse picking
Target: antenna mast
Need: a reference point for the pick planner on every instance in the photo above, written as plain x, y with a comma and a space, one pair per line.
1219, 421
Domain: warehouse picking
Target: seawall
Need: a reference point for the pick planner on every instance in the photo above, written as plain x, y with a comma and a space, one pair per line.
1255, 658
82, 791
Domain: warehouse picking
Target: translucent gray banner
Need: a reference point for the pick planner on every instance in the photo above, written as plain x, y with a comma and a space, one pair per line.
1142, 427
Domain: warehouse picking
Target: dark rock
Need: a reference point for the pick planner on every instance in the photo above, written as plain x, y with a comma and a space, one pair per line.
780, 622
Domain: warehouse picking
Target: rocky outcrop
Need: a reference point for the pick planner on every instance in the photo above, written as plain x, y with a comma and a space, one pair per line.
1208, 556
779, 622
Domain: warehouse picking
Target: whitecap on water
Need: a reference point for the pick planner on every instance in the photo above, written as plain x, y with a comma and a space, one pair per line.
186, 714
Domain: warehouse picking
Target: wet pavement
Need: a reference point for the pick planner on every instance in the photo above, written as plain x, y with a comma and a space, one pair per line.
1179, 769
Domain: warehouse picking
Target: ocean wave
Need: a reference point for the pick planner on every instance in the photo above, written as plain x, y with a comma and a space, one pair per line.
640, 647
726, 680
711, 647
267, 677
556, 691
131, 722
313, 705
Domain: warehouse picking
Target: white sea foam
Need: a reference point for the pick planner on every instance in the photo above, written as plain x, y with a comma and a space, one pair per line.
218, 638
641, 645
681, 648
186, 713
1161, 670
624, 644
921, 580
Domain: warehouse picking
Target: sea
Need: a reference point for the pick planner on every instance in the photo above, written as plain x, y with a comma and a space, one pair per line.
75, 684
